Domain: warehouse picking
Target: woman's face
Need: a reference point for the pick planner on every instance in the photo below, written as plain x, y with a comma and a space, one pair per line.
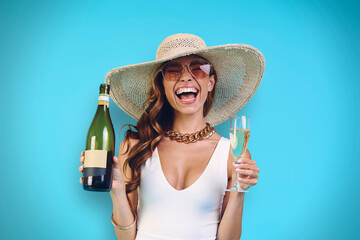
187, 92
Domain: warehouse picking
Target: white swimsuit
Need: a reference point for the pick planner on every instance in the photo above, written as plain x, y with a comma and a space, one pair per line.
192, 213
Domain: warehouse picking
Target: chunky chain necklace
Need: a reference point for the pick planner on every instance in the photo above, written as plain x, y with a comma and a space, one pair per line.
204, 133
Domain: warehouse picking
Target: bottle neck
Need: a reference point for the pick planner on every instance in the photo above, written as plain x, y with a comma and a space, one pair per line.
103, 102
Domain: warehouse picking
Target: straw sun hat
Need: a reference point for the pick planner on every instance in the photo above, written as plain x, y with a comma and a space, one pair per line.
239, 69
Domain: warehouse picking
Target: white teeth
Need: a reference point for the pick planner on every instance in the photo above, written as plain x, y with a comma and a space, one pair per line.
186, 90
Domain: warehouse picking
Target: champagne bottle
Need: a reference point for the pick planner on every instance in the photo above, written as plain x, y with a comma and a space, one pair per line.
100, 145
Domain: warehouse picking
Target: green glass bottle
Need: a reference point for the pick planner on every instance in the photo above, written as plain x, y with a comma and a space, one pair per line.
100, 145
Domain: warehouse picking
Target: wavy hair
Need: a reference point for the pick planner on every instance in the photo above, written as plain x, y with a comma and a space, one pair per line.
151, 127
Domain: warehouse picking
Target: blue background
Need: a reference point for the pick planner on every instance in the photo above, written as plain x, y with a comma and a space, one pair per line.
305, 114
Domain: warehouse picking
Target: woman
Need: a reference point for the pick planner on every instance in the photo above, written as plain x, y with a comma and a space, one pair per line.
168, 184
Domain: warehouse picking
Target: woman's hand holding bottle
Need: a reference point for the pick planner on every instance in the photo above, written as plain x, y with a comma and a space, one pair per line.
118, 183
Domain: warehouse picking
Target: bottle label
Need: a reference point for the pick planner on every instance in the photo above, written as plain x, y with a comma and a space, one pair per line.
95, 159
103, 99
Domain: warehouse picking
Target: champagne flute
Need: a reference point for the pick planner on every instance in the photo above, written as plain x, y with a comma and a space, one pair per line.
239, 138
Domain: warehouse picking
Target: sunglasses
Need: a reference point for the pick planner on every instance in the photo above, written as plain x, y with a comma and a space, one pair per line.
172, 71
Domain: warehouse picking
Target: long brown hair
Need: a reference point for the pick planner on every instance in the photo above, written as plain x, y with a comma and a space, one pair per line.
151, 126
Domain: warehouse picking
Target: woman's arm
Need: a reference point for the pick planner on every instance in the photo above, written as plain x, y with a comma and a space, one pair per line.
231, 220
124, 206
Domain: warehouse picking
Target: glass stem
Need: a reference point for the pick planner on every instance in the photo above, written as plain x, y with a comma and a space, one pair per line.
237, 183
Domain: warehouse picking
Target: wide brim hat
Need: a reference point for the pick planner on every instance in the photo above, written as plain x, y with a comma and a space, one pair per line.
239, 70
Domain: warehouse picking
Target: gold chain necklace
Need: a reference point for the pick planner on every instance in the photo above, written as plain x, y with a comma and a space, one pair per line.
204, 133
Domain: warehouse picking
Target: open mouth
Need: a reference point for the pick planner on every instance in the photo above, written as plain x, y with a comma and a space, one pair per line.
187, 93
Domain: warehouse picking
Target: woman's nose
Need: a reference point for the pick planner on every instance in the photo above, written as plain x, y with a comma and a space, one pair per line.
186, 76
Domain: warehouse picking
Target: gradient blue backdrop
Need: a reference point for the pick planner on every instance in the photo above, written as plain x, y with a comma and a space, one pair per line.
305, 114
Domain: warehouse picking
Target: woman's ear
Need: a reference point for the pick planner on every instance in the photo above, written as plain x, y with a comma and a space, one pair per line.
211, 83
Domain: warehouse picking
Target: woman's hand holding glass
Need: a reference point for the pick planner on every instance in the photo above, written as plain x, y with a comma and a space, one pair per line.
247, 170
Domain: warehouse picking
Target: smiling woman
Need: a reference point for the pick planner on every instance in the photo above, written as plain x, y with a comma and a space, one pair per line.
173, 168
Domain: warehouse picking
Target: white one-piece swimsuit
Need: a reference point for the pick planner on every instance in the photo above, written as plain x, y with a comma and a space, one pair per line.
191, 213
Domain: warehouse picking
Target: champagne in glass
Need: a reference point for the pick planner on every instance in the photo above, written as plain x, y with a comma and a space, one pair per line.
239, 138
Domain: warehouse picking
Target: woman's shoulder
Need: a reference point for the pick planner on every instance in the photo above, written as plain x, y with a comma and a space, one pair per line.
217, 137
218, 141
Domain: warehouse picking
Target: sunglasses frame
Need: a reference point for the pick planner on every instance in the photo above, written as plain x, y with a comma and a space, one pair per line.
187, 65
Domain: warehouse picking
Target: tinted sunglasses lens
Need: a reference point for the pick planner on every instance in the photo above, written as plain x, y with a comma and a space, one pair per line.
200, 69
172, 71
